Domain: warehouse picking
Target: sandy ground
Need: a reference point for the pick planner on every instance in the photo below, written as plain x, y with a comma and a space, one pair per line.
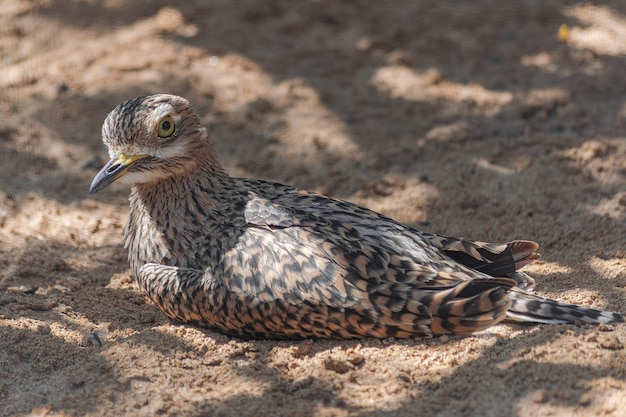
464, 118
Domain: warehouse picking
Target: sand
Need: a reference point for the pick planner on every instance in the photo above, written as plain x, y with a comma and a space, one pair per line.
486, 119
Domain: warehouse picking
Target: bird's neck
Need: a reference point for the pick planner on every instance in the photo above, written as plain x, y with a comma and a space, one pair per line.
163, 211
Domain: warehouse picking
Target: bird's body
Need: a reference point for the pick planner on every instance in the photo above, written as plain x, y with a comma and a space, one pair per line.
257, 259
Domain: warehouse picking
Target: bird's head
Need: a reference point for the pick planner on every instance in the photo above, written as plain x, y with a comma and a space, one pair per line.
150, 138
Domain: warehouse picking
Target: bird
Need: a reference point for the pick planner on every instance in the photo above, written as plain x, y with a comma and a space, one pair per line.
255, 259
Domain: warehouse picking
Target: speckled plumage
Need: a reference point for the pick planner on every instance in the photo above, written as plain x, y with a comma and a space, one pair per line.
251, 258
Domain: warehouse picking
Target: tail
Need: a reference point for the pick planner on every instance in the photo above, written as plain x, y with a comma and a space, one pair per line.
497, 260
530, 308
468, 307
506, 260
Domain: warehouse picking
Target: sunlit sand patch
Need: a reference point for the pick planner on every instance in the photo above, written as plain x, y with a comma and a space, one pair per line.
579, 296
408, 84
543, 60
605, 31
117, 50
608, 268
571, 295
613, 208
71, 330
45, 219
305, 111
405, 199
286, 115
544, 268
600, 159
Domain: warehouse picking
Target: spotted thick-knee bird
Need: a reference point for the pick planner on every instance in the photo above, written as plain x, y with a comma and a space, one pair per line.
258, 259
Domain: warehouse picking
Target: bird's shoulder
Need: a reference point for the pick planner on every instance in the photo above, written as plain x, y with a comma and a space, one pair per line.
276, 204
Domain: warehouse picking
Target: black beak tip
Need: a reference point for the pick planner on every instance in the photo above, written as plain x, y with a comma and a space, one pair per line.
105, 177
92, 190
95, 186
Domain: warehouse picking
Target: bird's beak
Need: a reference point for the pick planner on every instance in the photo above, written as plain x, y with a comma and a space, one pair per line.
115, 168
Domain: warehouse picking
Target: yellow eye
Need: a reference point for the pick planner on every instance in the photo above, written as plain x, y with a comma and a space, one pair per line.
165, 128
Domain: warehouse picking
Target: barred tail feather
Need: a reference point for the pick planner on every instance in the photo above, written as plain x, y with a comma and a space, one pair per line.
523, 252
497, 260
470, 307
530, 308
